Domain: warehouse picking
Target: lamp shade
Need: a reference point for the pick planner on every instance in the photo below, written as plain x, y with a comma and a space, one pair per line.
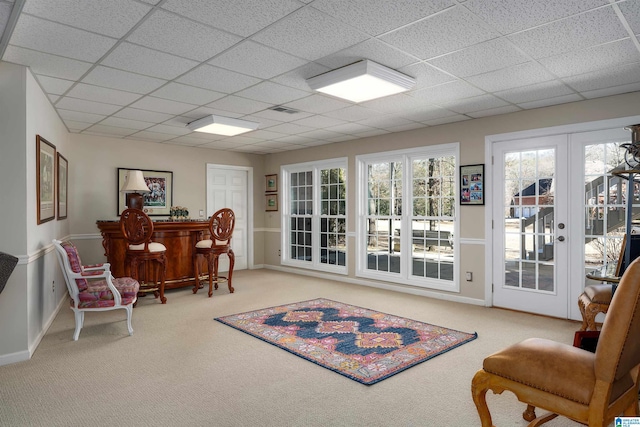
135, 183
221, 125
361, 81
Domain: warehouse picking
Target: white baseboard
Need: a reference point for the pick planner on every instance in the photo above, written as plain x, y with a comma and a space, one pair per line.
21, 356
34, 345
379, 285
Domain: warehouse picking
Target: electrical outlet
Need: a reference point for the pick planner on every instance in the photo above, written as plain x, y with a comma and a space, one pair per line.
201, 213
53, 286
469, 276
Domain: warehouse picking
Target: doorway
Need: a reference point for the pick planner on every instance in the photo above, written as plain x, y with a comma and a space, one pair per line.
231, 187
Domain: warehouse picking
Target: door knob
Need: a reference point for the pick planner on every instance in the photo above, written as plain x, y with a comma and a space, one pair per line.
561, 238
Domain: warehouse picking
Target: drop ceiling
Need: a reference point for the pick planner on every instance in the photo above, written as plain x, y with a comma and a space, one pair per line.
141, 70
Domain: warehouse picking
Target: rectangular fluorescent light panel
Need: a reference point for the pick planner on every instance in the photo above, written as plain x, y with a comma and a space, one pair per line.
361, 81
221, 125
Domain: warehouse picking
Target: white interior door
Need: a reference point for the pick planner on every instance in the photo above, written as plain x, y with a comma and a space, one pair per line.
530, 231
228, 187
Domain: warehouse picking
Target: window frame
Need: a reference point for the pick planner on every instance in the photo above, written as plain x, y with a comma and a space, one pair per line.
407, 157
315, 168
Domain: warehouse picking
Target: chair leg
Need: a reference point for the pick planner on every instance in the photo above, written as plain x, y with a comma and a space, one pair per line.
196, 270
163, 274
479, 388
213, 273
79, 316
529, 414
129, 309
232, 261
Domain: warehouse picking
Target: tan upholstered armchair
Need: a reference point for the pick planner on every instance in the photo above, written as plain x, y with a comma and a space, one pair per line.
591, 388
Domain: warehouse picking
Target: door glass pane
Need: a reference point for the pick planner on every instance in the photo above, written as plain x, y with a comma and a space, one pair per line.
529, 220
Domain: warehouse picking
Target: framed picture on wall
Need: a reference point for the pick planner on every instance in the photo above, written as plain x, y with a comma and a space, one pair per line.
271, 183
45, 179
472, 185
63, 182
159, 200
271, 201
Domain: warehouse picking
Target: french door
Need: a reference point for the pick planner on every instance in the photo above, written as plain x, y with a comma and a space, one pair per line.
531, 225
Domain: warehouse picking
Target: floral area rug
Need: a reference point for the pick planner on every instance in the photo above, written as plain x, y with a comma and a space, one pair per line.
364, 345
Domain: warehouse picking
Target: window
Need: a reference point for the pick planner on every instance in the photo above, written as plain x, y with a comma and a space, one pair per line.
406, 223
314, 217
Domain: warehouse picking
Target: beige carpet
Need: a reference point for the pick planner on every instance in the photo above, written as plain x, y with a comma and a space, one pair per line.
182, 368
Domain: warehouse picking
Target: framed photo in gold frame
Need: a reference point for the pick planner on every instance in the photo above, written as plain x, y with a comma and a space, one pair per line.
63, 183
271, 183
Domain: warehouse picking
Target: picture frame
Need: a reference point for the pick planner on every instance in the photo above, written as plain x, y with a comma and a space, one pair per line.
472, 185
156, 203
45, 179
63, 185
271, 202
271, 183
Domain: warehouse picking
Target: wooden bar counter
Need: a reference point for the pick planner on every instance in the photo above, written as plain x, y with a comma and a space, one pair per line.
179, 237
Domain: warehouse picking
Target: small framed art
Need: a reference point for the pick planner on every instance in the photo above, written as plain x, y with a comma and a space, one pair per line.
472, 185
45, 179
271, 183
158, 201
271, 201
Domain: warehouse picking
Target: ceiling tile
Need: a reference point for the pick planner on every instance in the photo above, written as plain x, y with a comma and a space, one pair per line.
290, 128
631, 11
240, 17
535, 92
409, 126
272, 93
162, 105
143, 115
426, 75
53, 85
379, 16
455, 28
139, 59
509, 16
180, 36
5, 13
353, 113
447, 92
109, 130
79, 116
477, 103
53, 98
320, 134
609, 91
151, 136
372, 49
108, 96
317, 104
445, 120
481, 58
112, 18
515, 76
494, 111
86, 106
237, 104
256, 60
218, 79
266, 118
45, 64
125, 123
298, 77
122, 80
319, 122
593, 58
576, 32
551, 101
266, 134
386, 121
173, 130
394, 103
200, 112
428, 113
50, 37
188, 140
606, 78
316, 34
76, 126
294, 139
373, 132
350, 128
188, 94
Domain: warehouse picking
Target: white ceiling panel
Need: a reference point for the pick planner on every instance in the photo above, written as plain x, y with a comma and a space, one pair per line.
57, 39
141, 70
573, 33
239, 17
141, 60
453, 29
180, 36
316, 34
113, 18
379, 16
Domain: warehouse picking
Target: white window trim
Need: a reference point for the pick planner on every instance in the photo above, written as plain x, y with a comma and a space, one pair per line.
404, 277
315, 167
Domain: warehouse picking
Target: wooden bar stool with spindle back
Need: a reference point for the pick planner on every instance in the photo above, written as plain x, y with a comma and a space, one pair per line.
221, 225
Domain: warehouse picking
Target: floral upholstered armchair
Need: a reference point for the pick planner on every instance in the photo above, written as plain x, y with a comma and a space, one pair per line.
93, 288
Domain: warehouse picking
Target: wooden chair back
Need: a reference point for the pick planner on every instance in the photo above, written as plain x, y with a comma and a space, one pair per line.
136, 227
221, 225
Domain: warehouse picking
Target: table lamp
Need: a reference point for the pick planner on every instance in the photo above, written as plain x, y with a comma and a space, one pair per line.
133, 186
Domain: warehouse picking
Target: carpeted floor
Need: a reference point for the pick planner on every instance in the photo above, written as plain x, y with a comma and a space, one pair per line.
182, 368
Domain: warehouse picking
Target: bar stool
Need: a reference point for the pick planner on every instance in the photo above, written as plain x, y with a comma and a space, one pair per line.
137, 229
221, 225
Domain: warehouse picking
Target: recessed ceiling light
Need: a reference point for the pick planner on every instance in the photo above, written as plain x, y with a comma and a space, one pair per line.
221, 125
